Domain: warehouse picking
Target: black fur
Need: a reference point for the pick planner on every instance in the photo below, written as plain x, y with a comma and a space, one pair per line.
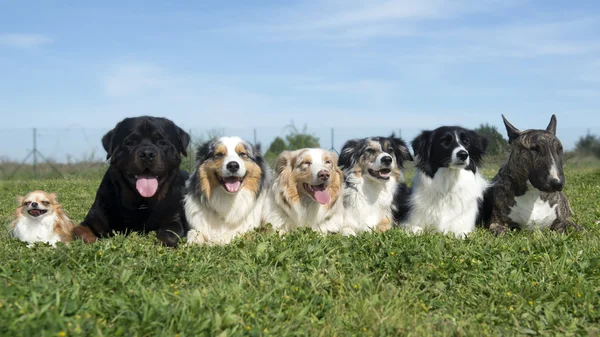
118, 206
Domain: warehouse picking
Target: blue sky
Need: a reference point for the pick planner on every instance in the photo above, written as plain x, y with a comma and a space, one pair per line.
361, 66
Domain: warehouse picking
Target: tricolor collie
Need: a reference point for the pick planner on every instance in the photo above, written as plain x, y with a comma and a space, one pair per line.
226, 192
527, 191
40, 218
307, 192
372, 171
448, 188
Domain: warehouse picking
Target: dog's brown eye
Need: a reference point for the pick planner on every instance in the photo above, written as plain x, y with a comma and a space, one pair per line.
328, 162
45, 203
218, 155
535, 148
27, 203
162, 143
243, 155
130, 142
370, 151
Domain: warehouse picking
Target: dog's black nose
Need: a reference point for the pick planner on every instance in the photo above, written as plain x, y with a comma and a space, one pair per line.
557, 184
233, 166
34, 204
147, 154
387, 160
462, 155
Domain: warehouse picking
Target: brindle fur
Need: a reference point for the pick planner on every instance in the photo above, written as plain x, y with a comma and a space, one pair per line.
533, 152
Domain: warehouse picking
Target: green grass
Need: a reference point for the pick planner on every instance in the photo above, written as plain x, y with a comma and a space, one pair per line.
304, 284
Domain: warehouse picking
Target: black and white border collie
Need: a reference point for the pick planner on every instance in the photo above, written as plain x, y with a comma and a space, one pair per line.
372, 172
448, 188
226, 192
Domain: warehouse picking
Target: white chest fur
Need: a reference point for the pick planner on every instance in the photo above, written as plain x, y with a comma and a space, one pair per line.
531, 211
367, 204
448, 202
223, 217
37, 230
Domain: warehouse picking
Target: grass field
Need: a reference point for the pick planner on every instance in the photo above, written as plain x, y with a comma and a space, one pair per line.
374, 284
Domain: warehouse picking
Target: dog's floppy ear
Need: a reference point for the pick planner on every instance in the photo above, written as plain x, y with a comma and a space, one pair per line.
283, 161
478, 146
421, 146
349, 153
183, 140
513, 133
552, 125
400, 150
107, 143
203, 152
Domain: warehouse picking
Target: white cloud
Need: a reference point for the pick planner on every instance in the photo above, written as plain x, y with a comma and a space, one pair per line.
24, 40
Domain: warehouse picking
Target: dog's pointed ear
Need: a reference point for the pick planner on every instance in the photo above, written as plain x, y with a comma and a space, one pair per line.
400, 150
347, 157
183, 140
107, 143
19, 200
53, 198
283, 161
512, 132
552, 125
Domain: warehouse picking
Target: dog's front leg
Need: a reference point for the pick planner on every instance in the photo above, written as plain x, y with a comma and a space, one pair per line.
499, 228
561, 225
171, 233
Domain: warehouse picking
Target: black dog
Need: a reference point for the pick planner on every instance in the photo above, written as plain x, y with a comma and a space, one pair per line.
142, 190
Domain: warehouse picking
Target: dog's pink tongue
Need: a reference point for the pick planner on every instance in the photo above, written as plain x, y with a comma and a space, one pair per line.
321, 195
233, 186
146, 186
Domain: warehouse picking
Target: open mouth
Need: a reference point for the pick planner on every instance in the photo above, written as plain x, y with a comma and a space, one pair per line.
383, 174
231, 184
146, 185
318, 192
36, 212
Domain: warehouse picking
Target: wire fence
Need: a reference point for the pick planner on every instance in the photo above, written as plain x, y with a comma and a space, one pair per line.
61, 151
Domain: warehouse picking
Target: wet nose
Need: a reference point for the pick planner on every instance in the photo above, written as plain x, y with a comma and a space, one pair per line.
557, 184
233, 166
147, 154
387, 160
323, 175
462, 155
34, 204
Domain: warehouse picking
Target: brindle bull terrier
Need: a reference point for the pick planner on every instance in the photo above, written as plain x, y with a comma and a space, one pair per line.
527, 191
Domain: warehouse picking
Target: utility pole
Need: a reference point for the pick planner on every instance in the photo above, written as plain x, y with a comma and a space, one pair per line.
332, 137
35, 153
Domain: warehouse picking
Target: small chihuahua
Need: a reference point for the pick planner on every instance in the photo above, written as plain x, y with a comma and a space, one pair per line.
40, 218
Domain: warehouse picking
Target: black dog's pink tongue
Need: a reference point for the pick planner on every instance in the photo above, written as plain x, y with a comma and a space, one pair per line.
146, 186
